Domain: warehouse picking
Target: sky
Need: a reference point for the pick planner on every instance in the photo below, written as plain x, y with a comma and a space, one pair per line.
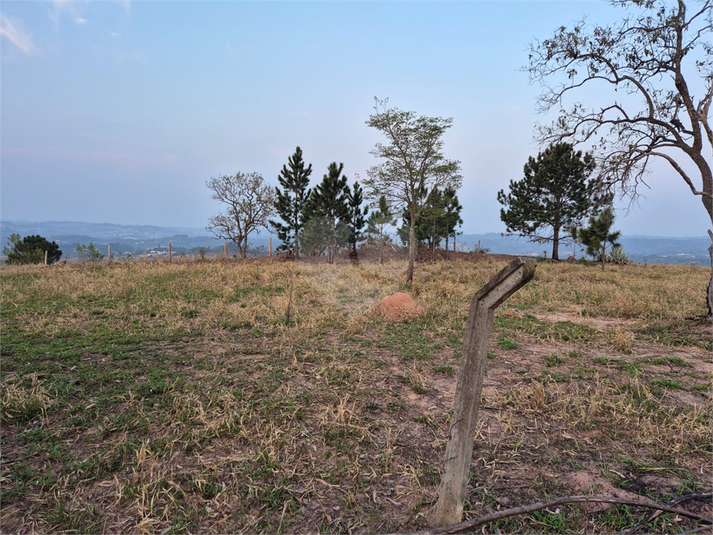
119, 111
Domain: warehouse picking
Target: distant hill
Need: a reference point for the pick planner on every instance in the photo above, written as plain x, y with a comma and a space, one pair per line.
143, 239
124, 239
640, 249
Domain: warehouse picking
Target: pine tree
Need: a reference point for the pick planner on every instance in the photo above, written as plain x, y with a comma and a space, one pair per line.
290, 202
377, 223
31, 250
356, 215
451, 214
326, 214
554, 196
440, 215
598, 236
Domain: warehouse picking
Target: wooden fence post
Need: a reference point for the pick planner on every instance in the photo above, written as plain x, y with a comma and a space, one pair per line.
46, 258
270, 245
225, 249
169, 251
108, 256
459, 450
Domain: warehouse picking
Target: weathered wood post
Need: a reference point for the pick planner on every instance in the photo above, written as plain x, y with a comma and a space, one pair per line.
270, 245
108, 255
169, 251
225, 249
459, 450
46, 257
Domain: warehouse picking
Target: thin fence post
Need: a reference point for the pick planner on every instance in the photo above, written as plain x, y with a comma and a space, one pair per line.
459, 449
169, 251
46, 258
108, 256
270, 245
225, 249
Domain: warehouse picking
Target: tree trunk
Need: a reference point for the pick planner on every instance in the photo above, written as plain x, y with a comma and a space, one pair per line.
412, 250
710, 283
381, 248
556, 244
604, 254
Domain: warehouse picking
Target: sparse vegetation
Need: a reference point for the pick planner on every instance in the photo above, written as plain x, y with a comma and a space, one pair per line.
154, 396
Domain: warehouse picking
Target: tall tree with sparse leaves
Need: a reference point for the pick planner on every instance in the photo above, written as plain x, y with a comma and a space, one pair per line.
413, 162
653, 78
555, 194
290, 201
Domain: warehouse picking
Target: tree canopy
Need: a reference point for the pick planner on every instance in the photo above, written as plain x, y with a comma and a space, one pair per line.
249, 201
291, 200
31, 250
598, 236
356, 218
326, 214
555, 194
413, 162
653, 76
379, 220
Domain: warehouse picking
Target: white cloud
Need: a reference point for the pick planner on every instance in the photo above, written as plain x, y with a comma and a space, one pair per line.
115, 34
13, 31
126, 4
79, 21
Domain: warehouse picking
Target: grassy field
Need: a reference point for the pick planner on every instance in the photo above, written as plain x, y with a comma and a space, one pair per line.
269, 397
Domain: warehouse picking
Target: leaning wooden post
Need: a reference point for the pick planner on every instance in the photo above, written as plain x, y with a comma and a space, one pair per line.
169, 251
459, 450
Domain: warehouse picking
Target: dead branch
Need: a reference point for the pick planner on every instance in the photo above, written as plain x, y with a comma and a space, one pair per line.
655, 514
524, 509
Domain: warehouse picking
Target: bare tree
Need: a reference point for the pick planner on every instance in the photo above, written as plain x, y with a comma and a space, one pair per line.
655, 71
250, 203
414, 164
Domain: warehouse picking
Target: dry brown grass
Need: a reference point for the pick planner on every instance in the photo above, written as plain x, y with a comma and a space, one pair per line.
250, 397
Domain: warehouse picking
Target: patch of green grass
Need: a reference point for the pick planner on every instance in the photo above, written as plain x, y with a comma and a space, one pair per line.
396, 405
666, 383
505, 342
553, 360
565, 331
662, 361
445, 369
632, 368
676, 333
617, 517
419, 388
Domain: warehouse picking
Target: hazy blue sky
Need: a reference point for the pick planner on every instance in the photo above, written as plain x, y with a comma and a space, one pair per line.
120, 111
